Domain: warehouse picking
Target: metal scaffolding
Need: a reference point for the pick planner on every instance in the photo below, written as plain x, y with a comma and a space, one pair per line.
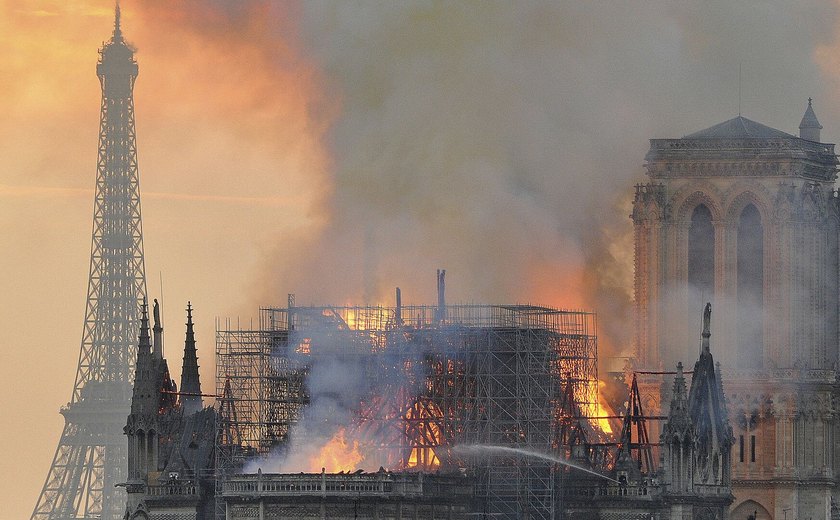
446, 376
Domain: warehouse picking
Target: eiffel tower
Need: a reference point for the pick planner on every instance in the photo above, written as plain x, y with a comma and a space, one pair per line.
91, 458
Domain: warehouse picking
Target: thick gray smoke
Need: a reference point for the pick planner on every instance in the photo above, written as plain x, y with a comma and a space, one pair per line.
351, 389
501, 140
336, 383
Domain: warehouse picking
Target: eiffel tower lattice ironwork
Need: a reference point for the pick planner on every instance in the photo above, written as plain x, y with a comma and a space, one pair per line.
91, 458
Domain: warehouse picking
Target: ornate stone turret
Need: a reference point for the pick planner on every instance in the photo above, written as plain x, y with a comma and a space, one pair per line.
153, 395
678, 440
190, 383
141, 421
707, 408
144, 397
810, 126
697, 440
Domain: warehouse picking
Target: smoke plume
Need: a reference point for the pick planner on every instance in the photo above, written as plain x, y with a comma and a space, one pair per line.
502, 142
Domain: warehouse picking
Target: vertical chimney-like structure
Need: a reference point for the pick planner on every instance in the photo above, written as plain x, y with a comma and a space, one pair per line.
158, 332
398, 312
441, 295
289, 316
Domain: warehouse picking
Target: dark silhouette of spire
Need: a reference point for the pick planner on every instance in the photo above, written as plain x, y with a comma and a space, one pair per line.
145, 340
143, 400
697, 437
678, 440
679, 420
705, 398
707, 408
190, 382
117, 30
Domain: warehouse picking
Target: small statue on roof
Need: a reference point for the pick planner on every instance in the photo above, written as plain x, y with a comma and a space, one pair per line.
156, 312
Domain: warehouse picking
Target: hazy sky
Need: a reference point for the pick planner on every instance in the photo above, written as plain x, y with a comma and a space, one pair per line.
339, 149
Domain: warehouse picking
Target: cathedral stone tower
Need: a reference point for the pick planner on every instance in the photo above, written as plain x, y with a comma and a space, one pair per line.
746, 216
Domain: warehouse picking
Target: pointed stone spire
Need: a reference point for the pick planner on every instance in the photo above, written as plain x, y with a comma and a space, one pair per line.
707, 409
707, 326
677, 439
679, 401
679, 420
145, 344
142, 400
810, 126
117, 30
679, 383
190, 383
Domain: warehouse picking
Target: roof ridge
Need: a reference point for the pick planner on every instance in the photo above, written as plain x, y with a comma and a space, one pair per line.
739, 127
743, 125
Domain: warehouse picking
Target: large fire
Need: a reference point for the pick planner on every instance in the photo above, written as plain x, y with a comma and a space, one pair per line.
596, 409
401, 424
337, 455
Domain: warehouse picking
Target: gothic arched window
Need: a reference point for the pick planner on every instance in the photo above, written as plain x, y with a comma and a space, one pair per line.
701, 256
750, 289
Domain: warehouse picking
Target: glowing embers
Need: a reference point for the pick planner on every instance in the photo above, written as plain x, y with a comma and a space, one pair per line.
304, 347
421, 423
352, 319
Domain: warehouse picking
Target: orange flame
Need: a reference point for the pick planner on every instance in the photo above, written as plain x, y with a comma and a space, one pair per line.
304, 347
337, 455
596, 409
603, 410
423, 432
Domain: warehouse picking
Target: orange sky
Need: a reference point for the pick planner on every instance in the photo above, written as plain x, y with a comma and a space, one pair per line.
338, 149
226, 166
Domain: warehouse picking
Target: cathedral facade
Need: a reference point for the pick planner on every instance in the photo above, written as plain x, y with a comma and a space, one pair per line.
746, 216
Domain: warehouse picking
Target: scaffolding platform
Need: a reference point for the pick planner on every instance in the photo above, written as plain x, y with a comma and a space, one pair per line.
442, 377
